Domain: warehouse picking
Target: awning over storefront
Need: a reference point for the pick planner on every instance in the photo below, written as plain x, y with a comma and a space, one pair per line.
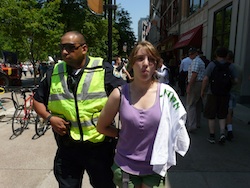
190, 38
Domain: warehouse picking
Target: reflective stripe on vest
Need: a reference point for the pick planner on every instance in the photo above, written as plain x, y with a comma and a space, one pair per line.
91, 98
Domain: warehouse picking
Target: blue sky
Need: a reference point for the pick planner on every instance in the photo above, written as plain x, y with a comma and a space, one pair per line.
137, 9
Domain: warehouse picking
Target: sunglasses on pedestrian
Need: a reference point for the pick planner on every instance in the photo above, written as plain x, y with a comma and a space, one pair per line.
70, 47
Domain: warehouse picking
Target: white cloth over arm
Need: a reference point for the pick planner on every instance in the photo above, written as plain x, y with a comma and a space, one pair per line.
171, 135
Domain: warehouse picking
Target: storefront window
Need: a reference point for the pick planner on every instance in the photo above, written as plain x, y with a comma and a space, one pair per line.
170, 10
222, 25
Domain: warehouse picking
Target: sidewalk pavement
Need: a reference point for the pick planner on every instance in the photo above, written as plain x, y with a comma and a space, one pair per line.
26, 161
213, 165
242, 113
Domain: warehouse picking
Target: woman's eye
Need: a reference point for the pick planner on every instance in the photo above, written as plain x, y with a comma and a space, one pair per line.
140, 59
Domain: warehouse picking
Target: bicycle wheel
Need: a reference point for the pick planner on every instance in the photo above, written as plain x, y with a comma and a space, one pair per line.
30, 117
6, 105
40, 126
9, 102
19, 122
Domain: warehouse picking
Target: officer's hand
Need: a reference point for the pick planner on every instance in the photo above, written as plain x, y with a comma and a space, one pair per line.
59, 125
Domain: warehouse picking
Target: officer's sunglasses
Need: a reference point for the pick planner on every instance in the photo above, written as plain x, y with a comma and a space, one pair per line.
70, 47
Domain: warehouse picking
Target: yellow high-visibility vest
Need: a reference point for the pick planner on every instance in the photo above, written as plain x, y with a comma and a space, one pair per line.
91, 98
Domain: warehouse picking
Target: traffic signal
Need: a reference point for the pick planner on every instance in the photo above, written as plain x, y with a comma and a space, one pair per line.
96, 6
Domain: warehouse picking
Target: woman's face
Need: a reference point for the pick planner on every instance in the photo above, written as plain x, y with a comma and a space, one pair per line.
144, 65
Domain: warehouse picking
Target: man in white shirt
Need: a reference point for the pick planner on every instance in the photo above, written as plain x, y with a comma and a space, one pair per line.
25, 69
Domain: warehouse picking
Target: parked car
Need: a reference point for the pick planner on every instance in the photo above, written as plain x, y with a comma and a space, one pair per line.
10, 70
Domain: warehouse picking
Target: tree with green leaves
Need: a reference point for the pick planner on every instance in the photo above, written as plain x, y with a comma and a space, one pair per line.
29, 28
32, 28
123, 25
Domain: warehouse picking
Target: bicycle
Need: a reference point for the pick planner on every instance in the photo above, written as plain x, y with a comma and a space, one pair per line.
24, 113
5, 101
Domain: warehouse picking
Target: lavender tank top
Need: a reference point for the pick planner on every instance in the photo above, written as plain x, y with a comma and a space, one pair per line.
137, 135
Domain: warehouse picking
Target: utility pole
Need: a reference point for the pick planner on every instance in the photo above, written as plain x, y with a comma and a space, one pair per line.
110, 7
110, 25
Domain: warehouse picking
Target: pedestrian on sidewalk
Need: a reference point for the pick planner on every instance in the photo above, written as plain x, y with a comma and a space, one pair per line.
196, 73
204, 58
234, 95
183, 74
220, 76
120, 70
25, 69
153, 123
31, 69
162, 73
70, 97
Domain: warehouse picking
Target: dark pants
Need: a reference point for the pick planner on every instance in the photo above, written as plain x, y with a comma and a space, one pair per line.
172, 76
216, 107
73, 159
183, 81
25, 73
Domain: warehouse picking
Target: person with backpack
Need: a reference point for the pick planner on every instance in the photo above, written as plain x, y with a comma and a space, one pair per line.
219, 76
196, 72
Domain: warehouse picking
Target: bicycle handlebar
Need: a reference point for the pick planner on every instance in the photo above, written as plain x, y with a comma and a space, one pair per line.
21, 89
28, 89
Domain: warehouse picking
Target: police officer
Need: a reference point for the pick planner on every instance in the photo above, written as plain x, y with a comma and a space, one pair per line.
71, 97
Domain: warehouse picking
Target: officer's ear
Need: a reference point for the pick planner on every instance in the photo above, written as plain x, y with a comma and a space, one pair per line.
84, 48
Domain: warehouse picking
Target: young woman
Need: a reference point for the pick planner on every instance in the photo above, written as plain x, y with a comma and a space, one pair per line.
153, 123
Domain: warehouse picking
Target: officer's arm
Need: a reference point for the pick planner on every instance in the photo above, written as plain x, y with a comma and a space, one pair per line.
40, 109
58, 124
